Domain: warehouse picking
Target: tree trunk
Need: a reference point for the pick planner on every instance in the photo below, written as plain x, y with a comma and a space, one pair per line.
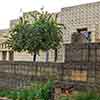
55, 55
47, 55
34, 57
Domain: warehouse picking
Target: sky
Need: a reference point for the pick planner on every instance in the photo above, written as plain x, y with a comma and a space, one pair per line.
12, 9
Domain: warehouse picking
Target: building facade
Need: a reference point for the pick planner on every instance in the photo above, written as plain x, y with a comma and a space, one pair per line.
85, 17
76, 19
79, 17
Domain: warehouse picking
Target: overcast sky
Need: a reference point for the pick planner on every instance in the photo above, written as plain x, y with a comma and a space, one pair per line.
10, 9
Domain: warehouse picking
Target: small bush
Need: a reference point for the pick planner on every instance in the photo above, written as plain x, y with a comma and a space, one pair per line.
37, 91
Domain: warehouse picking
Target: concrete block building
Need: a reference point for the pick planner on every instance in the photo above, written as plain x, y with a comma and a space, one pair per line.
79, 17
85, 17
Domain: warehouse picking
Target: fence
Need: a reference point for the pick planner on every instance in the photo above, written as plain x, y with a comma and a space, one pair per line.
18, 74
81, 69
84, 58
82, 52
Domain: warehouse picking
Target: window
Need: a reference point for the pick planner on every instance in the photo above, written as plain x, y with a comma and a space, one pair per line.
78, 75
85, 35
81, 29
4, 55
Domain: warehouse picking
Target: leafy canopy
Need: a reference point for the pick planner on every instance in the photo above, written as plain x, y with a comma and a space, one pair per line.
42, 32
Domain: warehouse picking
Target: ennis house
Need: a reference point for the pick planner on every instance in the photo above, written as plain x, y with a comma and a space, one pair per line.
78, 18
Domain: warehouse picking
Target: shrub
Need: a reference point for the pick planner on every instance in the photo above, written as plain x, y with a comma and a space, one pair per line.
38, 91
46, 91
87, 96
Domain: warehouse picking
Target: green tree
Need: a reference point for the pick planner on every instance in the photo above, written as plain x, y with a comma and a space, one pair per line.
41, 33
49, 31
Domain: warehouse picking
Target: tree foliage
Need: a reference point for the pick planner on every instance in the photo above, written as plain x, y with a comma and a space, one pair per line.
41, 33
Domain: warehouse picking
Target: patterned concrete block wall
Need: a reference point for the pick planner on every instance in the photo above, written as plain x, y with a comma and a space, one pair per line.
22, 56
3, 35
81, 16
78, 17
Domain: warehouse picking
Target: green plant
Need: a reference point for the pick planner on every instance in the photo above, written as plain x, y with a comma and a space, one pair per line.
64, 98
43, 33
37, 91
46, 91
86, 96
